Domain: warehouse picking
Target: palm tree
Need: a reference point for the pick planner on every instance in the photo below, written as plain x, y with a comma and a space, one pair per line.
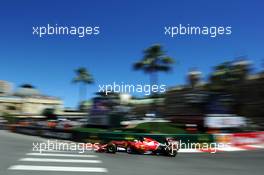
155, 60
83, 77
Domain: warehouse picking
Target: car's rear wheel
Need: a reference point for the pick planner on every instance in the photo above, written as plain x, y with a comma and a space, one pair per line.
111, 148
171, 153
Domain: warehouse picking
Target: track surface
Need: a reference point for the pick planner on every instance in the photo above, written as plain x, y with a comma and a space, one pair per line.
16, 154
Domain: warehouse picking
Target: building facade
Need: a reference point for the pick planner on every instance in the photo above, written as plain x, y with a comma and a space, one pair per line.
26, 101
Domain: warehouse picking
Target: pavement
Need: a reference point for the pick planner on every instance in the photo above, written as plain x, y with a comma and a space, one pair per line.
17, 157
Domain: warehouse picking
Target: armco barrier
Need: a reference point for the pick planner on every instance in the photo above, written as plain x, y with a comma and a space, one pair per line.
82, 136
44, 132
108, 136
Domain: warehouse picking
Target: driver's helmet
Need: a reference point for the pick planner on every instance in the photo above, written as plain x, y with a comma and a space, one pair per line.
141, 139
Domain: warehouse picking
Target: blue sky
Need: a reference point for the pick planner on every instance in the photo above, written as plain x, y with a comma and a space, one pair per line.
127, 27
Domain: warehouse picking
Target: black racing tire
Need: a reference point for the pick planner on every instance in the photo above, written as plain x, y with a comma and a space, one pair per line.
111, 148
170, 152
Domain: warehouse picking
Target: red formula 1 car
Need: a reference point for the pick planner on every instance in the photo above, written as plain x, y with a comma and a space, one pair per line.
144, 145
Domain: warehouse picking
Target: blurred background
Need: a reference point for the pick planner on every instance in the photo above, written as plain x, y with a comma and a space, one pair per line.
49, 86
231, 101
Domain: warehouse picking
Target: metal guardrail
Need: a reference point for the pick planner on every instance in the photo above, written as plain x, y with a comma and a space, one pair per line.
85, 136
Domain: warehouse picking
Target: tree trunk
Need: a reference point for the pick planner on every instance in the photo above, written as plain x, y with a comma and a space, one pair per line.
153, 78
153, 81
82, 92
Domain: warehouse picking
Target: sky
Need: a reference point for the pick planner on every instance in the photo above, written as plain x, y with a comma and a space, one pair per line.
127, 27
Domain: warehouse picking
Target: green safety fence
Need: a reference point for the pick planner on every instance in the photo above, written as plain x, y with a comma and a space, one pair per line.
108, 136
86, 136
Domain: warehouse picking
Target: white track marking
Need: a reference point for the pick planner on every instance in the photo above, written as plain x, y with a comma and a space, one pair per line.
62, 151
59, 155
58, 168
60, 160
189, 151
231, 148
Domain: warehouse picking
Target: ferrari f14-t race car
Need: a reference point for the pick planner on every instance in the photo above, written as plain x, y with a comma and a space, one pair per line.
144, 145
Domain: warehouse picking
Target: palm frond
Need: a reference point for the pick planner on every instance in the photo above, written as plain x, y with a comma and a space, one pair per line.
154, 60
82, 75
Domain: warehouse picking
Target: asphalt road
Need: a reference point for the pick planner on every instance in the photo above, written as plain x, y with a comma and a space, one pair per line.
17, 158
